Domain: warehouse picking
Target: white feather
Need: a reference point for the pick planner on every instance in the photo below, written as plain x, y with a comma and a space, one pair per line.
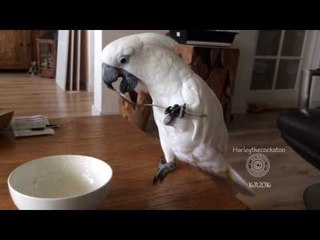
200, 141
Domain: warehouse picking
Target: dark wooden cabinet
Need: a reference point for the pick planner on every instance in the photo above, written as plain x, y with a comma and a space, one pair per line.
47, 56
217, 67
15, 49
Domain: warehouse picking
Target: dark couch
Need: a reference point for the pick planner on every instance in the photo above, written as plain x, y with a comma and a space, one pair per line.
300, 128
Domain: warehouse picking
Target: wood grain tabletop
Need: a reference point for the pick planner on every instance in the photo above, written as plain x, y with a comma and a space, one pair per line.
134, 158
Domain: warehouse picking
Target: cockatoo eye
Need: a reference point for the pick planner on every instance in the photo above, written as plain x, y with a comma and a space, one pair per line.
124, 60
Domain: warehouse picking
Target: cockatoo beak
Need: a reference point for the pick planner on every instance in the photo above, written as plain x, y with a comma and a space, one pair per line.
112, 74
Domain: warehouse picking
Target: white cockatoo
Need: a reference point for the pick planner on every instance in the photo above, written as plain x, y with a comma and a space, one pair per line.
188, 114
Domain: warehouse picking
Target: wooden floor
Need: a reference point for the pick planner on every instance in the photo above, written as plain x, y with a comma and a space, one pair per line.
28, 95
289, 174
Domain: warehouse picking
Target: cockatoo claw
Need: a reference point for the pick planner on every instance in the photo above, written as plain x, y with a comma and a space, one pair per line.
164, 169
176, 111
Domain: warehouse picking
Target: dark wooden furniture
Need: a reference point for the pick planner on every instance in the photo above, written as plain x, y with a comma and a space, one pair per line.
47, 57
35, 34
138, 115
218, 67
133, 156
300, 128
15, 49
5, 118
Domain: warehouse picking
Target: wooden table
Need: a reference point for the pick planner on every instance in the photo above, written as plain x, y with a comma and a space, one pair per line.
133, 156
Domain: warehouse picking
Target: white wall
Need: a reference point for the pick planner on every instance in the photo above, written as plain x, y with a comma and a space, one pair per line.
245, 41
91, 59
62, 58
95, 37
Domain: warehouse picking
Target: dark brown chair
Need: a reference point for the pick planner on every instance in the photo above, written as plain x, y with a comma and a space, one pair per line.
300, 128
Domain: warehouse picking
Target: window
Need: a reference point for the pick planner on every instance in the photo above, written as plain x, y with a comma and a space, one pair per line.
278, 58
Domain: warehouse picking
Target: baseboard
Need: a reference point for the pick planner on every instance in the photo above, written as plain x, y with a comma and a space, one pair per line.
95, 111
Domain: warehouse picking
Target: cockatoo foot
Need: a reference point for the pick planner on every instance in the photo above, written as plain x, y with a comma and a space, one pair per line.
164, 169
177, 111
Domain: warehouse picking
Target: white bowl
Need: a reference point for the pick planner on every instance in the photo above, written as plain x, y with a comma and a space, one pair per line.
63, 182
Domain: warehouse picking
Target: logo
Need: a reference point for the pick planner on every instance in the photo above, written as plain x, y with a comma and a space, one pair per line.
258, 165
